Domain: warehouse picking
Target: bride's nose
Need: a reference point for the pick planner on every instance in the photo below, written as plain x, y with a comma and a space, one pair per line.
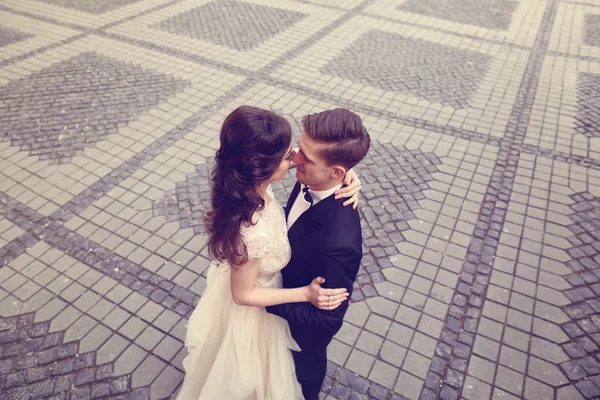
297, 157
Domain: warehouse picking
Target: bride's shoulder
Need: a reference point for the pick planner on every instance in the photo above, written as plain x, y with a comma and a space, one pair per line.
254, 225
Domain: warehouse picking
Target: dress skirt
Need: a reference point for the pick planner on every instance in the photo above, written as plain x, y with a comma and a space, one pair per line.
237, 352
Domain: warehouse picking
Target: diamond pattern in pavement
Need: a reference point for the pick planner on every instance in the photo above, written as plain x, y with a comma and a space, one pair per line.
91, 6
587, 121
592, 30
413, 66
68, 107
10, 36
491, 14
231, 23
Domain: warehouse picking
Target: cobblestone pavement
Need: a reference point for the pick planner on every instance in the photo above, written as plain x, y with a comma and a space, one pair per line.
481, 206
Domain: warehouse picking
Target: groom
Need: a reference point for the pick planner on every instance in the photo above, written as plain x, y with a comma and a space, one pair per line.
325, 237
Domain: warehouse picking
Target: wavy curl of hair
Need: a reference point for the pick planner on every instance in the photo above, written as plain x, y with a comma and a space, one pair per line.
253, 144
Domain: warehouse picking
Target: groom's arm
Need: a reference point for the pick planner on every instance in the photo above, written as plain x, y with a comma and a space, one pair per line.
340, 267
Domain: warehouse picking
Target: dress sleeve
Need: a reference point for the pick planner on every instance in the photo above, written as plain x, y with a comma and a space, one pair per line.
256, 241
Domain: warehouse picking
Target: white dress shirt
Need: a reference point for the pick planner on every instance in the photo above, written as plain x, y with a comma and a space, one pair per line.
300, 205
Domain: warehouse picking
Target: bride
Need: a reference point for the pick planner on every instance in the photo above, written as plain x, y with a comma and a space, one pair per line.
236, 349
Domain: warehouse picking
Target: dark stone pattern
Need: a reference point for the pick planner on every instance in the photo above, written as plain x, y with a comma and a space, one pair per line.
587, 121
189, 201
91, 6
592, 30
425, 69
68, 107
584, 330
10, 36
36, 364
231, 23
491, 14
393, 182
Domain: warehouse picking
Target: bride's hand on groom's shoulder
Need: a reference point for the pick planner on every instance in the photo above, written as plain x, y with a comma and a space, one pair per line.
351, 189
325, 299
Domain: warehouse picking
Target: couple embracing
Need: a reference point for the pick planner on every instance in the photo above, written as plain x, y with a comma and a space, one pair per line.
262, 326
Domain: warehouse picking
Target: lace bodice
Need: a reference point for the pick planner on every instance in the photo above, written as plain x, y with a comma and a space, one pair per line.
268, 239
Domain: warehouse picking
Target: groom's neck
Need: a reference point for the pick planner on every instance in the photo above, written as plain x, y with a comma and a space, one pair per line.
327, 185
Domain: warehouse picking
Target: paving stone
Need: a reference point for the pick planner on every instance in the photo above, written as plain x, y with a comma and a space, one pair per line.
416, 364
547, 350
146, 372
486, 348
512, 358
517, 339
423, 344
384, 374
400, 334
338, 352
101, 309
408, 385
545, 372
111, 349
167, 348
116, 318
482, 369
149, 338
167, 320
79, 329
166, 383
84, 377
50, 310
360, 362
509, 380
392, 353
63, 367
80, 393
119, 385
369, 343
475, 389
128, 361
86, 360
352, 380
94, 339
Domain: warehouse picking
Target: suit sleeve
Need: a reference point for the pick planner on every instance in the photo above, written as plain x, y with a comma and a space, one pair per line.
340, 267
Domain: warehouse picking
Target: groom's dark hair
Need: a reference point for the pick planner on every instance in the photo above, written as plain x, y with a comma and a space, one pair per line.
344, 134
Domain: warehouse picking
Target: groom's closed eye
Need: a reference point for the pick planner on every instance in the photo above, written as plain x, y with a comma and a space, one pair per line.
304, 156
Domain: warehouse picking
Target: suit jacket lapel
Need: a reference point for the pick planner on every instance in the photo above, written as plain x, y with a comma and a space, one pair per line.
291, 199
313, 219
304, 225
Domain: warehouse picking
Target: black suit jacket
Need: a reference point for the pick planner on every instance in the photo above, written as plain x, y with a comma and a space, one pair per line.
326, 241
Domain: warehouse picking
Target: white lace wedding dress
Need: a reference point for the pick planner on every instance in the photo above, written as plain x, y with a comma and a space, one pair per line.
240, 352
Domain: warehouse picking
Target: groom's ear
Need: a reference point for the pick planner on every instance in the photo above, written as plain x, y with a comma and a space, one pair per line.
337, 172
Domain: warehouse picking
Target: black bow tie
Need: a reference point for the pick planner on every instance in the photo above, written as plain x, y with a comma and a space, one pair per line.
307, 196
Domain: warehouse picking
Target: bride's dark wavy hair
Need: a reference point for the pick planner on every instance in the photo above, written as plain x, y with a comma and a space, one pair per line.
253, 144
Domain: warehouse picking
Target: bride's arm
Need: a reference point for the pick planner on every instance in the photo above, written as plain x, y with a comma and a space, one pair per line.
245, 292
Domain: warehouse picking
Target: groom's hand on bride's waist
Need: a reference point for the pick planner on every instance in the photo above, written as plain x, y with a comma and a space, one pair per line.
323, 298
